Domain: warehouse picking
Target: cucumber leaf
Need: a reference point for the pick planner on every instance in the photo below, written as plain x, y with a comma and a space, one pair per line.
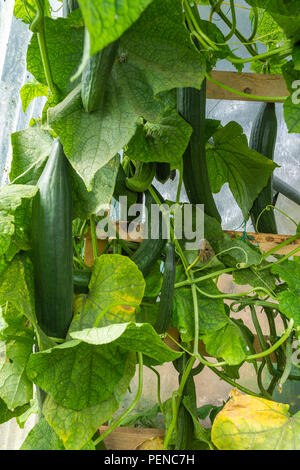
15, 387
227, 343
60, 32
15, 210
76, 375
252, 423
154, 56
289, 271
32, 89
106, 20
212, 315
231, 161
162, 141
31, 149
76, 428
116, 288
42, 437
132, 336
6, 414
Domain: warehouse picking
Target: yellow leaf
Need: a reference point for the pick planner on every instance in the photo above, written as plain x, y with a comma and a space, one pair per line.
251, 423
156, 443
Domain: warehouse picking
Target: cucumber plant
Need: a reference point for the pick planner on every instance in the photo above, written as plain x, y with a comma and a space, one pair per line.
82, 308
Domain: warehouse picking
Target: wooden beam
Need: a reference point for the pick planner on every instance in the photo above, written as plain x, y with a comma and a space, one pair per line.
124, 438
268, 241
249, 83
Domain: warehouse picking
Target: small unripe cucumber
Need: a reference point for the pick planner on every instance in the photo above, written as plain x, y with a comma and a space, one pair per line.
143, 177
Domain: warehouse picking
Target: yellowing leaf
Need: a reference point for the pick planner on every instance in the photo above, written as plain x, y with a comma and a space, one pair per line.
251, 423
156, 443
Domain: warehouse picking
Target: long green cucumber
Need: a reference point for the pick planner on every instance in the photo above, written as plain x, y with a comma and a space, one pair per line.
95, 76
167, 291
81, 279
191, 104
52, 246
263, 140
142, 178
150, 248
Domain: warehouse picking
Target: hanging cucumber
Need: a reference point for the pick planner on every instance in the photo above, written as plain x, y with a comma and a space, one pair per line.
81, 279
167, 291
191, 105
150, 248
142, 178
185, 425
52, 246
121, 188
263, 140
96, 74
163, 172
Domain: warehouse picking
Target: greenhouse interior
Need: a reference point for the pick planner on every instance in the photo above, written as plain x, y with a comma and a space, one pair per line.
150, 225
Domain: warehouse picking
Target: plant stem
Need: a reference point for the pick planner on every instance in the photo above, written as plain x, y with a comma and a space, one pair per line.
188, 282
241, 38
255, 24
284, 258
261, 338
118, 422
235, 384
233, 27
94, 236
158, 387
41, 36
275, 346
282, 50
177, 398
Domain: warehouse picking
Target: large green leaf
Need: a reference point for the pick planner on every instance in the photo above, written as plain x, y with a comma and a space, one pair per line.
31, 148
76, 428
15, 387
162, 141
76, 374
42, 437
15, 222
64, 46
6, 414
90, 140
285, 12
32, 89
107, 20
132, 336
227, 343
230, 160
289, 305
16, 287
251, 423
115, 289
155, 55
255, 278
212, 315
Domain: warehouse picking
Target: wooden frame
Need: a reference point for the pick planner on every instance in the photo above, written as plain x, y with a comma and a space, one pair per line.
249, 83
